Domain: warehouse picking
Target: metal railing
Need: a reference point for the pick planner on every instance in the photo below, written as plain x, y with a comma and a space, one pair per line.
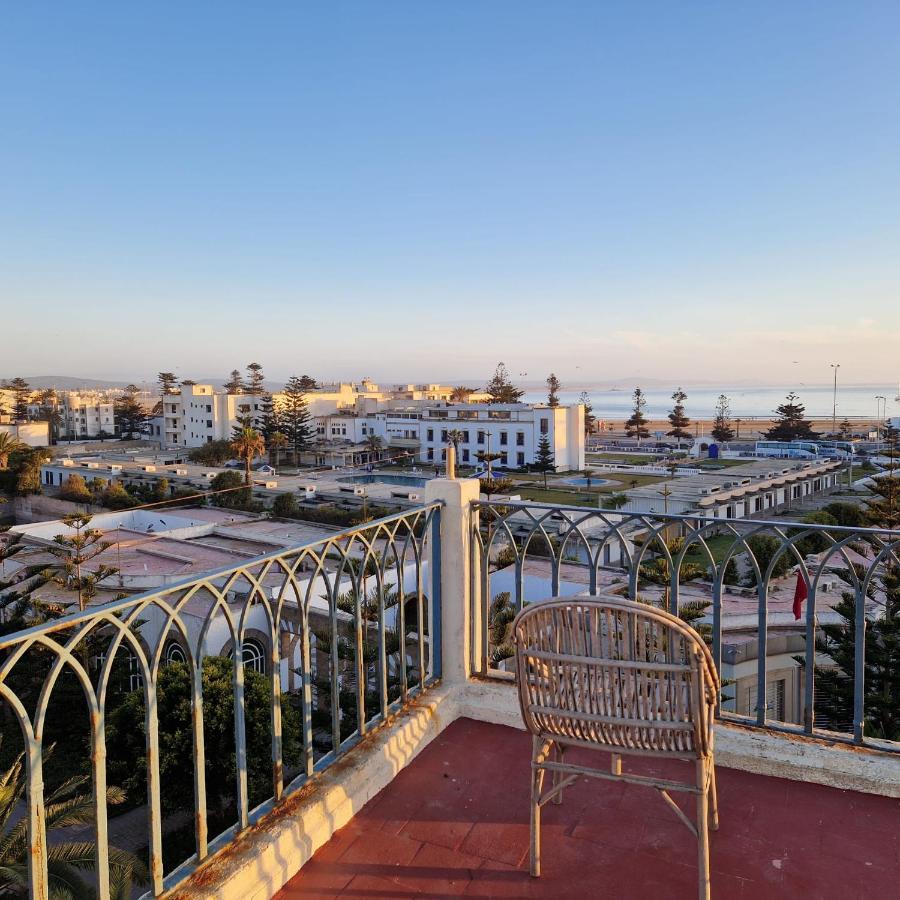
355, 617
524, 552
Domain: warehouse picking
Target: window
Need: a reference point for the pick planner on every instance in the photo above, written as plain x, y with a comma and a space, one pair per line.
775, 691
545, 426
503, 438
209, 423
520, 439
465, 454
520, 459
430, 434
430, 454
443, 435
480, 437
252, 656
175, 653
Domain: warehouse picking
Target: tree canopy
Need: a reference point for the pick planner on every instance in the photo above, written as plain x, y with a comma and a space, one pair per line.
500, 388
791, 423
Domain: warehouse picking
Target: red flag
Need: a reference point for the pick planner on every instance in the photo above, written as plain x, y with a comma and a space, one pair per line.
800, 594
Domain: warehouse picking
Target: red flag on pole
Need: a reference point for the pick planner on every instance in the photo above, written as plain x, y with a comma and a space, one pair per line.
800, 594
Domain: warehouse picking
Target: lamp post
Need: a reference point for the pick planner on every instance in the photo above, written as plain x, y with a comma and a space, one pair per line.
879, 399
834, 366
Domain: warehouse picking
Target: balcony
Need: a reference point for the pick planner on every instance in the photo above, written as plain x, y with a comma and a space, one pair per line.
373, 729
445, 827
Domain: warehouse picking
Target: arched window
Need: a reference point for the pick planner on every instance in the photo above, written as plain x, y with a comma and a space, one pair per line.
252, 656
175, 653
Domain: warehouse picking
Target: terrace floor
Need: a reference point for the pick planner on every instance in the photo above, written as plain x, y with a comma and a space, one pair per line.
455, 823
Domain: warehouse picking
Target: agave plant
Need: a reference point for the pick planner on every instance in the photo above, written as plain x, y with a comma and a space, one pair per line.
69, 863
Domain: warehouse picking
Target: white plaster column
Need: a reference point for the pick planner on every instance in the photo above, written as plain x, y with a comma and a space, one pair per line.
456, 572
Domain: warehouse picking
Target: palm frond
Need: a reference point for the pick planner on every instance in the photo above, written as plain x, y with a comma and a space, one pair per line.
77, 810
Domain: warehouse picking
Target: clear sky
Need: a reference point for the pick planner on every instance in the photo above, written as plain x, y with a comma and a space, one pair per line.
418, 189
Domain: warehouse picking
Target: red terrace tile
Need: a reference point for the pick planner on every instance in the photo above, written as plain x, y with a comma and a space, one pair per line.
455, 823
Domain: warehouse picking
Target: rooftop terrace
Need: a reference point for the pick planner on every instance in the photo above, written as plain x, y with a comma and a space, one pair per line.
448, 826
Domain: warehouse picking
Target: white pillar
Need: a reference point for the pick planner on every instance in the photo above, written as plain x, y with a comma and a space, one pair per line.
457, 516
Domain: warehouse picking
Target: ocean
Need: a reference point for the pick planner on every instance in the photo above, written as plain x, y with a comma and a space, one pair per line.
852, 400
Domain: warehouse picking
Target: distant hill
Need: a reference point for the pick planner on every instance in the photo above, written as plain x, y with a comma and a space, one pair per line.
69, 382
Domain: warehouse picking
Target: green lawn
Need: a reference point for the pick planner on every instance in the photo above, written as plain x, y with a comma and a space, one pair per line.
718, 546
715, 463
629, 458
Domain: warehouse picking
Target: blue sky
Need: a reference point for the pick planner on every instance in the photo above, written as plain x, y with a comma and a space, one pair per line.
416, 190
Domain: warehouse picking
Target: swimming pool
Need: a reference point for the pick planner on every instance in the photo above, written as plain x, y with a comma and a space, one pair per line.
376, 478
588, 482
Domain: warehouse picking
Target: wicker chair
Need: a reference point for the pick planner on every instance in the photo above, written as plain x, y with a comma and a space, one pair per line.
618, 676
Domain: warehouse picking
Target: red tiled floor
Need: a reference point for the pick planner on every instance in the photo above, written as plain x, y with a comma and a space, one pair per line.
455, 823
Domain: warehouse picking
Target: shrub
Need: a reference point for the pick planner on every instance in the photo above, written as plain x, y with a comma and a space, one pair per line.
212, 454
233, 499
75, 489
285, 506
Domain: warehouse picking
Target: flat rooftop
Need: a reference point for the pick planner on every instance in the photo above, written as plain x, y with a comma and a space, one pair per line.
455, 823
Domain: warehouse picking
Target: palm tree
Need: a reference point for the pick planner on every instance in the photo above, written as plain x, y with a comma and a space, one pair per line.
8, 445
277, 442
247, 444
455, 436
374, 443
67, 861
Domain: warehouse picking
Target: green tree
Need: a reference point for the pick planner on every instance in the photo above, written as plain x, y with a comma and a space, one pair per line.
212, 454
722, 430
589, 418
8, 446
835, 686
75, 489
131, 417
70, 864
845, 429
256, 381
500, 388
126, 745
269, 422
461, 394
544, 461
791, 423
294, 414
678, 419
491, 486
75, 549
246, 446
235, 383
48, 403
26, 463
116, 497
228, 489
636, 426
168, 383
285, 506
308, 383
277, 442
764, 547
374, 445
21, 392
553, 387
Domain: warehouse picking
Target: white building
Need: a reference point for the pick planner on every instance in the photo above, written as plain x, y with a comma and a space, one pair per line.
199, 414
86, 415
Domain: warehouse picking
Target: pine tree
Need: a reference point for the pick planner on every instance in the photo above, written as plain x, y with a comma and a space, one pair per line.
544, 461
256, 381
21, 392
235, 384
589, 418
293, 412
130, 413
308, 383
835, 686
553, 387
845, 429
722, 430
636, 426
168, 383
791, 424
500, 388
677, 419
269, 421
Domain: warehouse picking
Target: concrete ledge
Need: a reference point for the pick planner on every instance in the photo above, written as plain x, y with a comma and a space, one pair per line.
761, 752
273, 850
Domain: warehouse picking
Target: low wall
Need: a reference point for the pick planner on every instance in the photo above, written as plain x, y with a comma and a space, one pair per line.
39, 508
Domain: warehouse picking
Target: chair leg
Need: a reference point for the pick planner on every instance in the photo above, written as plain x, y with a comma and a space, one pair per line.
703, 831
713, 798
537, 783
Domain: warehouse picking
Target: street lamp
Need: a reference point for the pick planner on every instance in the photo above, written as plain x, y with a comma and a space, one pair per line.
834, 366
879, 398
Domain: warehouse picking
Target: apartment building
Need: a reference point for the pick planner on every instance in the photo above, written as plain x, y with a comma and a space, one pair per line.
86, 414
199, 414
